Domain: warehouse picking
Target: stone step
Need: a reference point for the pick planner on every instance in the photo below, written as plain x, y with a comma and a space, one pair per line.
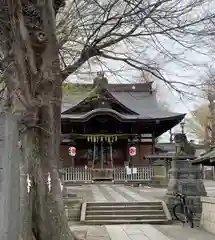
125, 217
127, 221
154, 203
115, 208
127, 212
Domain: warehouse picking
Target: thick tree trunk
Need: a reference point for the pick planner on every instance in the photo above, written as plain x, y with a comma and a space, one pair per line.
50, 221
28, 155
47, 217
42, 210
40, 157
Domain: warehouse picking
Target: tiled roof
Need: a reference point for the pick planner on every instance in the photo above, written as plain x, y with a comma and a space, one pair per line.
145, 104
207, 158
138, 97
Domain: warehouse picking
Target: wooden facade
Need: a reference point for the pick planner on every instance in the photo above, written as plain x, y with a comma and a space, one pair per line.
118, 151
108, 121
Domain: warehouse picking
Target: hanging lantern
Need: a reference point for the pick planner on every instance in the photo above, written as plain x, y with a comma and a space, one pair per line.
72, 151
132, 151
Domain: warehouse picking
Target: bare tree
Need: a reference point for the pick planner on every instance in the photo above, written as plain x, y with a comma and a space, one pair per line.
37, 56
198, 124
202, 122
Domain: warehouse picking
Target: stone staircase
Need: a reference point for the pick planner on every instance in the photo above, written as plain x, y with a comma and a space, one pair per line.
101, 213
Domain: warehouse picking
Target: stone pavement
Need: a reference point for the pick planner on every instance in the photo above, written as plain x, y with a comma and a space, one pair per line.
113, 193
122, 193
140, 232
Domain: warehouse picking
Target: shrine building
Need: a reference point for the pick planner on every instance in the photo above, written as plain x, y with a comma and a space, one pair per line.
108, 121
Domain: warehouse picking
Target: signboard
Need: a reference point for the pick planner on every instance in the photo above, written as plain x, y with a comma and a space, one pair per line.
128, 170
132, 151
72, 151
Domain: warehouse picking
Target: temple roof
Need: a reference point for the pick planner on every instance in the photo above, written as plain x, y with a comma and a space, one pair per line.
139, 98
207, 158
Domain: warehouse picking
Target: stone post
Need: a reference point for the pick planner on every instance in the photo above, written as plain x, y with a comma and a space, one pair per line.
9, 178
184, 177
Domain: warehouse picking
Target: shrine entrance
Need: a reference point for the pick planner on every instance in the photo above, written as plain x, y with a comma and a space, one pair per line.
102, 162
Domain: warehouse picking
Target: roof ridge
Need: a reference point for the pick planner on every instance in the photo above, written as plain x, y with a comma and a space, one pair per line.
121, 87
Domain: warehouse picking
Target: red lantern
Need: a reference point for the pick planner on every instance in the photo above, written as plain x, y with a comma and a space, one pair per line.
72, 151
132, 151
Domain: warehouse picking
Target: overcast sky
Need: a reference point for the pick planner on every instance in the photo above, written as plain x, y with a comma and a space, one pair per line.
188, 67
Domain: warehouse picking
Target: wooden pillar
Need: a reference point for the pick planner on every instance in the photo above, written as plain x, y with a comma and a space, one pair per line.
153, 143
94, 153
102, 155
140, 157
111, 154
73, 161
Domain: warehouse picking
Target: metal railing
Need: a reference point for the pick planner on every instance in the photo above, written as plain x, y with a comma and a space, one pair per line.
78, 174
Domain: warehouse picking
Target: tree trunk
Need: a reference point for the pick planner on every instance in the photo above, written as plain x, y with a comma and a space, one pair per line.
41, 95
26, 171
41, 157
50, 221
48, 218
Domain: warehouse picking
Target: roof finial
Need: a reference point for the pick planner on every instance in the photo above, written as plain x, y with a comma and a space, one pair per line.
100, 74
100, 80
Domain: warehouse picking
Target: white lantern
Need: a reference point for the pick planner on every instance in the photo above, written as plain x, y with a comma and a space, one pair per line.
132, 151
72, 151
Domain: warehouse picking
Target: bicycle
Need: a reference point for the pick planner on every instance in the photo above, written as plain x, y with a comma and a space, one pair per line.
182, 212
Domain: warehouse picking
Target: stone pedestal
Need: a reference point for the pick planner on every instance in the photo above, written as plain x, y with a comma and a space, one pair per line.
208, 214
187, 179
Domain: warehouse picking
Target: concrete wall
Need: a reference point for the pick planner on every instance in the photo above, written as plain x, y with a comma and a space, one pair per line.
208, 214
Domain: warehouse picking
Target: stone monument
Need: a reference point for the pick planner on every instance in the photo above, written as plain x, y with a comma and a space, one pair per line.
184, 177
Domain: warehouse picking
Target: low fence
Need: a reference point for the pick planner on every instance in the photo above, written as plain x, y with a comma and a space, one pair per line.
135, 174
77, 174
118, 174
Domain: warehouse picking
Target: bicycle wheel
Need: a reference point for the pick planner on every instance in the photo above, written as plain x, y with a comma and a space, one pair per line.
179, 213
190, 217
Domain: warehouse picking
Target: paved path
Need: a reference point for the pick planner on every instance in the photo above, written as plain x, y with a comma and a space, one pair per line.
159, 192
114, 192
109, 193
121, 193
140, 232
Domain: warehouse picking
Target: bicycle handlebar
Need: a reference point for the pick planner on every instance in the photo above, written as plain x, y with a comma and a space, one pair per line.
180, 195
